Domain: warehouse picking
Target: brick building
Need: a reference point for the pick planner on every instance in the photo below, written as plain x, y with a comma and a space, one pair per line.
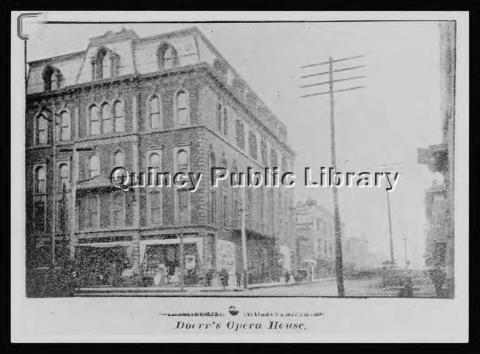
439, 198
169, 102
315, 238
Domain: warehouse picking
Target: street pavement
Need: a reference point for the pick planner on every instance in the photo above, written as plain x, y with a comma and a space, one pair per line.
328, 287
370, 287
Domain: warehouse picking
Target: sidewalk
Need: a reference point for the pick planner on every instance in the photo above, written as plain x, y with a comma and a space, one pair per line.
192, 290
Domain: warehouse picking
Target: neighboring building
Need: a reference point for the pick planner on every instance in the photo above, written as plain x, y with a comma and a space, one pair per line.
440, 158
169, 102
315, 238
357, 255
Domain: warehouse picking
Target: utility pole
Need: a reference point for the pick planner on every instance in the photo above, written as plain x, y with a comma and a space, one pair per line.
181, 250
182, 258
244, 241
405, 250
73, 194
330, 92
392, 257
54, 191
53, 225
389, 214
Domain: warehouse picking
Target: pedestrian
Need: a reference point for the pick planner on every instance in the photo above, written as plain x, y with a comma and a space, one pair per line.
407, 289
224, 278
238, 275
287, 277
208, 277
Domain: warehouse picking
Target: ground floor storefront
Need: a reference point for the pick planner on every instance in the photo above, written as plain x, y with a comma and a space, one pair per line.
156, 261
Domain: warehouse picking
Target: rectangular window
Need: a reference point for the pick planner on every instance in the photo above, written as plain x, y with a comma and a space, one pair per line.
183, 196
155, 208
65, 133
224, 213
213, 207
94, 120
118, 209
182, 116
62, 206
236, 216
39, 215
119, 116
91, 212
107, 123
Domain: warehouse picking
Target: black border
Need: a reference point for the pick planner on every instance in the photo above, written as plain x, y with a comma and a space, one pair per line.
474, 145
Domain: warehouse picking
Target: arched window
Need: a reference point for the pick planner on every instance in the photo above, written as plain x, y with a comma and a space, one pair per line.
118, 159
167, 56
263, 148
94, 166
240, 134
119, 116
42, 130
65, 132
219, 117
40, 186
182, 107
154, 110
252, 144
101, 65
94, 120
64, 174
225, 121
107, 126
273, 157
182, 160
52, 78
154, 161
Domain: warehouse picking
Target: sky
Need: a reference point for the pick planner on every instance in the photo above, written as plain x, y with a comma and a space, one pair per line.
396, 112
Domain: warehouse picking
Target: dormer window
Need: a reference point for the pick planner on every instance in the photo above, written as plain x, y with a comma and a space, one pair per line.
52, 78
104, 64
167, 56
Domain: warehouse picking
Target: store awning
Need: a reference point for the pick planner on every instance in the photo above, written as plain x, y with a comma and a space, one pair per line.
97, 182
